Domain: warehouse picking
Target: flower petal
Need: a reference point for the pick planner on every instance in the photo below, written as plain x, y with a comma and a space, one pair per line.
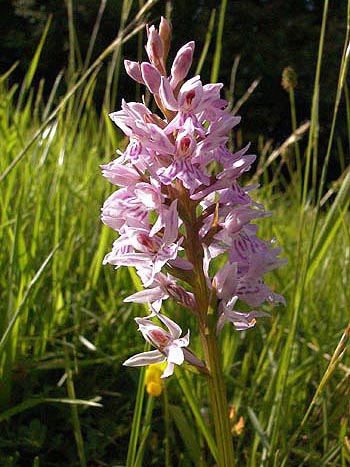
145, 358
174, 328
151, 77
171, 229
184, 341
147, 295
167, 95
175, 354
169, 370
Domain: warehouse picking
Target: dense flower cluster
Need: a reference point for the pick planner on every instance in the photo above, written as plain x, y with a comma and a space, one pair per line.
180, 206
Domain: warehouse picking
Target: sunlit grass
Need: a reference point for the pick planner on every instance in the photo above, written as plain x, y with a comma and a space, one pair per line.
62, 311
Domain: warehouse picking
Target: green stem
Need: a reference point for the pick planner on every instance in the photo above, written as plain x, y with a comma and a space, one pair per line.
218, 401
79, 441
136, 422
166, 428
296, 144
207, 324
147, 422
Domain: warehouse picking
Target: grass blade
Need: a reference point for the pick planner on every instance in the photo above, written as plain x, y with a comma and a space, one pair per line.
194, 406
207, 41
187, 433
218, 47
19, 309
33, 402
33, 65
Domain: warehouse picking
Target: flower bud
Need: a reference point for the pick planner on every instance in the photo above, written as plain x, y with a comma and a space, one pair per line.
151, 77
133, 69
154, 47
289, 79
165, 35
181, 64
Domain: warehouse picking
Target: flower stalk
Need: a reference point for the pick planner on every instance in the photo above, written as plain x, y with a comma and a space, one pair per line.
218, 401
210, 345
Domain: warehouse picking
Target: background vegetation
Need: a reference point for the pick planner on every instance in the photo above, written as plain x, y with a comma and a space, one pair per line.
64, 397
268, 35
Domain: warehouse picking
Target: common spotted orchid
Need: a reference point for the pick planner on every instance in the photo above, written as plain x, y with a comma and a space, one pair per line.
184, 221
180, 208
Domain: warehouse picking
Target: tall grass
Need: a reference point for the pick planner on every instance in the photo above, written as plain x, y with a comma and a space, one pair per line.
62, 312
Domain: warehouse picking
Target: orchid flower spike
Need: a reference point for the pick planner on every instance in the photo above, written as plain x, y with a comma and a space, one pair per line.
175, 216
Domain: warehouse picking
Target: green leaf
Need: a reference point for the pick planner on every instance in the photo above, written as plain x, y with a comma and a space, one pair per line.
258, 428
187, 433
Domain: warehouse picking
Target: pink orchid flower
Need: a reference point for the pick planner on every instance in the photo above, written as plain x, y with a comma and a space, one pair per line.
168, 343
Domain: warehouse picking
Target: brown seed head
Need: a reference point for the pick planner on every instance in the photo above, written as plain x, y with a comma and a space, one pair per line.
289, 79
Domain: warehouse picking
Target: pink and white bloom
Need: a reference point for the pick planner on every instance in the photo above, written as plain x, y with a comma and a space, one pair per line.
143, 248
168, 343
119, 174
241, 321
163, 287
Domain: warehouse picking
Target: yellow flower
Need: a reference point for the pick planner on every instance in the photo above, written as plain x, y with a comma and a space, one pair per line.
239, 426
153, 381
154, 389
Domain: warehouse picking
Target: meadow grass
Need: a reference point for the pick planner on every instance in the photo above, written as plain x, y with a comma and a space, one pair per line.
65, 329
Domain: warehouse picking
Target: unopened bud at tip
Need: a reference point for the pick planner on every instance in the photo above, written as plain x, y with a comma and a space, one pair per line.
289, 79
154, 47
165, 32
